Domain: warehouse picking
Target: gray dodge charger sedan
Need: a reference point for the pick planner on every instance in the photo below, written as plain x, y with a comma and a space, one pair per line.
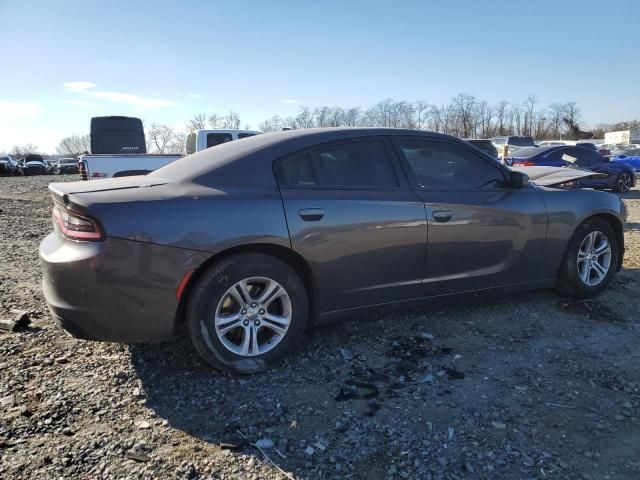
253, 241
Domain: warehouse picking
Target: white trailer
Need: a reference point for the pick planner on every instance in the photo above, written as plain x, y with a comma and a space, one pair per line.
622, 137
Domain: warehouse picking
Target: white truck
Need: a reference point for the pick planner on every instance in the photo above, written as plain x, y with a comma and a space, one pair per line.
107, 165
622, 137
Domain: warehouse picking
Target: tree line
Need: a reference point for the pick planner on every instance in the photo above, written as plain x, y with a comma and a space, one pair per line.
463, 116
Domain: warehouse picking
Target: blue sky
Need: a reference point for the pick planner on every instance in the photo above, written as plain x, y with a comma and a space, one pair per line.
63, 62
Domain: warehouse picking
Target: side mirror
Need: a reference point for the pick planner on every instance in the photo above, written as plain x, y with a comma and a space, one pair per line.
518, 180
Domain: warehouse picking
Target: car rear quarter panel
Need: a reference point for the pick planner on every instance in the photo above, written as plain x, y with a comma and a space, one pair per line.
116, 290
566, 211
190, 216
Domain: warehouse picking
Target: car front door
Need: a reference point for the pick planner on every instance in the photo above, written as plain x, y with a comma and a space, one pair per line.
353, 217
482, 233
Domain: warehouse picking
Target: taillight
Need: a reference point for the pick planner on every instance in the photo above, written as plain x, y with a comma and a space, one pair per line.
524, 163
82, 169
76, 226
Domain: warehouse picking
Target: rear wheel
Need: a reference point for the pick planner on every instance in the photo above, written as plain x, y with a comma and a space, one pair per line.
591, 259
623, 182
246, 312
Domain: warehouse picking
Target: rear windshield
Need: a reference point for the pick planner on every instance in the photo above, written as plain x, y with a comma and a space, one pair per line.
527, 152
521, 141
245, 135
67, 160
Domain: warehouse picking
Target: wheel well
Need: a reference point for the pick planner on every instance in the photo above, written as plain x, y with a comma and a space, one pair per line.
616, 225
618, 229
283, 254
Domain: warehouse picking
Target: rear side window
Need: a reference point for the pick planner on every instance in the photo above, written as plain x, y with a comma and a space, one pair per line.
447, 166
214, 139
586, 158
363, 164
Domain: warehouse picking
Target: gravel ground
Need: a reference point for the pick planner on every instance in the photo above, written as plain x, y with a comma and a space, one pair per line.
536, 385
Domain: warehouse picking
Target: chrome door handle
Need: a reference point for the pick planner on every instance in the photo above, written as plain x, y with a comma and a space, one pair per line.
311, 214
442, 216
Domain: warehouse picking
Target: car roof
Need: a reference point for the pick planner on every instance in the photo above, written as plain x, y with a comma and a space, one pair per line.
217, 165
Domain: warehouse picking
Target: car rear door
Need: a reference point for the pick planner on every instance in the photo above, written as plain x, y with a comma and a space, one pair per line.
482, 233
353, 217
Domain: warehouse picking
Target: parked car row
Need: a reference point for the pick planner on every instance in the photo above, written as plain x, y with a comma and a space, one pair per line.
617, 173
34, 164
617, 176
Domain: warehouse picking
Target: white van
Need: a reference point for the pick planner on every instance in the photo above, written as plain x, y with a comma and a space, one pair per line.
203, 139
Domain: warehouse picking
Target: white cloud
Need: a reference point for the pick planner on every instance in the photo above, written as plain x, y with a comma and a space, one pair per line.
78, 86
81, 103
87, 88
194, 95
289, 101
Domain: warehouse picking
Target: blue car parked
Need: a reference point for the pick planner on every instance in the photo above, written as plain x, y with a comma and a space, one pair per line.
630, 157
617, 176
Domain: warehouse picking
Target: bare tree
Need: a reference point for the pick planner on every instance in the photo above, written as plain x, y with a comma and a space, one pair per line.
215, 121
24, 149
304, 119
501, 114
322, 116
556, 113
162, 138
463, 108
530, 103
272, 124
421, 110
74, 145
231, 120
352, 116
197, 122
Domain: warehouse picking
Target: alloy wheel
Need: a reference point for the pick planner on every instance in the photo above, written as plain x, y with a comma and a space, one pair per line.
594, 258
253, 316
624, 182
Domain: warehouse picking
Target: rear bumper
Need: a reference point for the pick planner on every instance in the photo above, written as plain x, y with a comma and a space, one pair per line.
116, 290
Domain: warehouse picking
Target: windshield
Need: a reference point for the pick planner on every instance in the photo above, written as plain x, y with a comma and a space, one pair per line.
521, 141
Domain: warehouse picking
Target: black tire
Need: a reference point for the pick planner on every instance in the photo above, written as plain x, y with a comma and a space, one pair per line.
569, 280
623, 182
212, 287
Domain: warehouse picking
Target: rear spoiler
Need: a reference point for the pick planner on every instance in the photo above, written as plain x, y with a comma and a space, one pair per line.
58, 195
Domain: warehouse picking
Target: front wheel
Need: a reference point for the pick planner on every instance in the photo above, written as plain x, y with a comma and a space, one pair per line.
591, 259
246, 312
623, 182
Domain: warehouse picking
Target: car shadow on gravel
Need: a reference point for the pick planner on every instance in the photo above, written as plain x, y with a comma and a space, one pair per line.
378, 368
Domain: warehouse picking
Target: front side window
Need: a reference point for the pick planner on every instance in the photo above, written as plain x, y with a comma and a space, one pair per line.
447, 166
364, 164
214, 139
